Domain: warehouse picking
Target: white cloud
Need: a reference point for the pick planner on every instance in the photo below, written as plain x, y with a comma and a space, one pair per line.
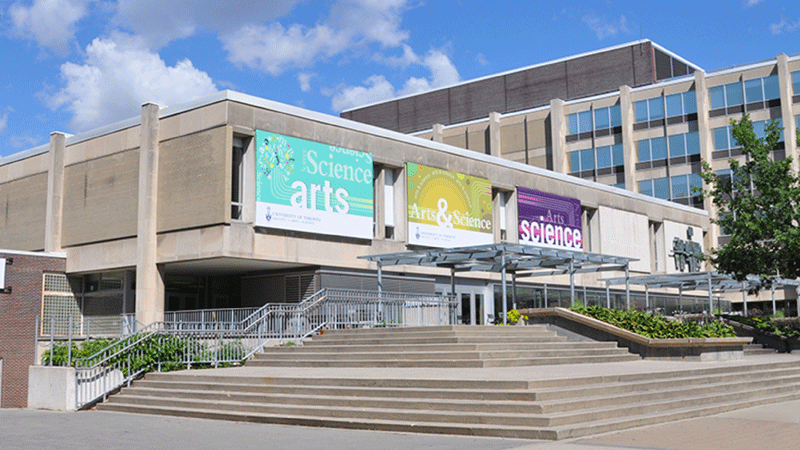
784, 26
406, 59
305, 81
4, 120
378, 88
481, 59
160, 21
274, 48
749, 3
24, 141
118, 76
51, 23
603, 28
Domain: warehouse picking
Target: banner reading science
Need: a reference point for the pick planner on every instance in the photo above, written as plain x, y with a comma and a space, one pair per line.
312, 187
447, 209
549, 220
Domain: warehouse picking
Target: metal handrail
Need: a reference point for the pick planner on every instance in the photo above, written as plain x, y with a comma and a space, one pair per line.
217, 343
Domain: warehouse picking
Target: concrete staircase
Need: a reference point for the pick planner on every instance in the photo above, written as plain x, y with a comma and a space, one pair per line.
435, 380
556, 408
444, 346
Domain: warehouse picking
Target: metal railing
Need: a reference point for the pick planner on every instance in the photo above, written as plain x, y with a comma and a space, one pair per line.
170, 345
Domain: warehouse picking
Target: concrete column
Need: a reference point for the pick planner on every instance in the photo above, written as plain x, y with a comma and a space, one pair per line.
55, 193
706, 149
789, 124
249, 182
558, 135
149, 276
512, 218
438, 132
495, 145
628, 144
379, 203
400, 206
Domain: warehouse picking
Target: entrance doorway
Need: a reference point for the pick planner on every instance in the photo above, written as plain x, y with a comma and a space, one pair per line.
472, 305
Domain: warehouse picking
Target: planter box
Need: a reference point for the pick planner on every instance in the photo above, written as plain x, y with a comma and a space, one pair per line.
689, 349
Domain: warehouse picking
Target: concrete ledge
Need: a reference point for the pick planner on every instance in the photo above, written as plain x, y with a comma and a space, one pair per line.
688, 349
780, 343
51, 388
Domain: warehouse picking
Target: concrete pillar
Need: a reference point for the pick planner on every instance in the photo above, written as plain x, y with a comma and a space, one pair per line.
438, 132
400, 206
379, 203
558, 134
495, 145
55, 193
512, 218
149, 276
706, 149
628, 144
789, 124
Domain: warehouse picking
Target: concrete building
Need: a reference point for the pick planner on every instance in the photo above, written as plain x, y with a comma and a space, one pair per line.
646, 135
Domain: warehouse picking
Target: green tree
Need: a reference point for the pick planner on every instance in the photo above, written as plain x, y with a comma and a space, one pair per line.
759, 207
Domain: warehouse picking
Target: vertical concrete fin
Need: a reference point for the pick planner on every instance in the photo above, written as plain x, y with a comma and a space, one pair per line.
628, 144
789, 124
706, 149
558, 131
55, 193
495, 148
438, 132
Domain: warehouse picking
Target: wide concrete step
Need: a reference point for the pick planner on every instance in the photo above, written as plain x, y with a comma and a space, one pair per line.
481, 347
380, 353
459, 329
367, 340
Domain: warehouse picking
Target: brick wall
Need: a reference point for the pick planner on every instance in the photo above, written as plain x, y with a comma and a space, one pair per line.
18, 311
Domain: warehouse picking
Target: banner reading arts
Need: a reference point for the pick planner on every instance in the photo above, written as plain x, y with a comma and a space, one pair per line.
549, 220
448, 209
316, 188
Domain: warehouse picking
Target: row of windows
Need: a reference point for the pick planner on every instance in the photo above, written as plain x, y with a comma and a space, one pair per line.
676, 105
734, 94
723, 139
796, 82
672, 188
608, 117
607, 156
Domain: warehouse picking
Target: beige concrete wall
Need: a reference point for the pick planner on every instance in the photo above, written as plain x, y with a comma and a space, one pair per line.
625, 233
23, 206
100, 198
194, 180
674, 230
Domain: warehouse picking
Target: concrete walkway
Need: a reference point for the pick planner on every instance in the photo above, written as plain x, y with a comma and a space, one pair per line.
774, 427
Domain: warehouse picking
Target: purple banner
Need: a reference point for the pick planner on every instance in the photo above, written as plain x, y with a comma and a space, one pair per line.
549, 220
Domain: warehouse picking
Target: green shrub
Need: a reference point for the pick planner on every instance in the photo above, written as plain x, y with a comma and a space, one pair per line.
655, 326
514, 316
766, 324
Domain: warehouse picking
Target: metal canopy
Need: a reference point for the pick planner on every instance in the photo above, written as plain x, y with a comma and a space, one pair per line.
517, 259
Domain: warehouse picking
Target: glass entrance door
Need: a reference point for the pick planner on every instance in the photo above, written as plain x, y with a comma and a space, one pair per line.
472, 307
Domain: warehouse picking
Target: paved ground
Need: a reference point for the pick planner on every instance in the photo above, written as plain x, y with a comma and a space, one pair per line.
773, 427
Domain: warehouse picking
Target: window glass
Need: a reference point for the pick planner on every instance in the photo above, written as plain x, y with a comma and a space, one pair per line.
721, 138
674, 105
661, 188
692, 143
733, 94
752, 89
758, 129
644, 150
689, 102
796, 82
646, 187
575, 161
600, 118
658, 148
695, 184
587, 159
641, 111
656, 108
797, 119
680, 187
604, 157
584, 121
779, 122
615, 116
772, 89
717, 94
573, 123
677, 146
616, 151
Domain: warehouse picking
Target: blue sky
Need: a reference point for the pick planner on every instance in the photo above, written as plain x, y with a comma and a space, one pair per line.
74, 65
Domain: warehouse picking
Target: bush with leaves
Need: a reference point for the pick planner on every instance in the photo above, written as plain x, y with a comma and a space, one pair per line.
655, 326
766, 324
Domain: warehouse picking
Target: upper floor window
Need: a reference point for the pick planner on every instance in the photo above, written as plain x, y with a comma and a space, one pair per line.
652, 149
610, 156
796, 82
655, 187
684, 144
580, 122
608, 117
681, 104
761, 89
581, 160
237, 179
760, 128
685, 186
726, 95
650, 109
723, 140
